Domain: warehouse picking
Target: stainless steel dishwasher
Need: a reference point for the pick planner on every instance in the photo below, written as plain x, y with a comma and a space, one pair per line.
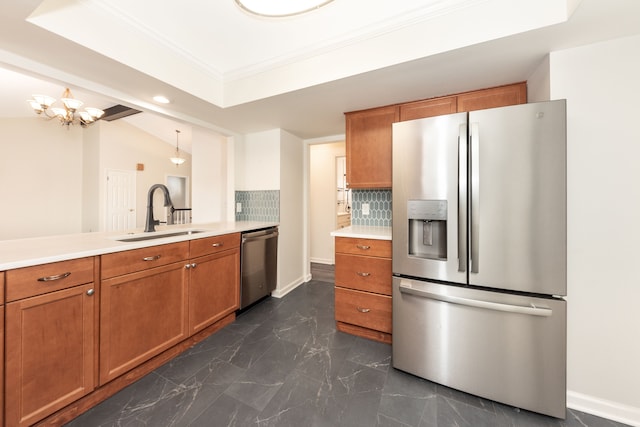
258, 265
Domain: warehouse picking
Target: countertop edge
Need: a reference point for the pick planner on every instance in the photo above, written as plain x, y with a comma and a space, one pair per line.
32, 251
363, 232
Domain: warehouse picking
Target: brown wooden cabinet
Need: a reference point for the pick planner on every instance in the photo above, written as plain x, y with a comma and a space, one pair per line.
363, 287
500, 96
368, 147
369, 132
214, 280
428, 108
51, 332
142, 313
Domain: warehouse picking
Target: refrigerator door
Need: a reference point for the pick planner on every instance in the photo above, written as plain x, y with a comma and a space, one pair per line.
518, 223
430, 198
504, 347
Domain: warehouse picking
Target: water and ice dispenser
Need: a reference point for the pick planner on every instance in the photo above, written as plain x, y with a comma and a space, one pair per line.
427, 228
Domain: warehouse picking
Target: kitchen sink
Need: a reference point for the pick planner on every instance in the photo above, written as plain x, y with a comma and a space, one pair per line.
152, 236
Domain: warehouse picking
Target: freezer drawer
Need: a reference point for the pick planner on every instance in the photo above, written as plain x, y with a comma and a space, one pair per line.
504, 347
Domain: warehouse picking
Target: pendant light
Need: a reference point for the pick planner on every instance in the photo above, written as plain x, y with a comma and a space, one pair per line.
177, 160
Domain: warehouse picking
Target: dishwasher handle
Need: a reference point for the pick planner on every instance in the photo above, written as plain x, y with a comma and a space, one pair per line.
259, 235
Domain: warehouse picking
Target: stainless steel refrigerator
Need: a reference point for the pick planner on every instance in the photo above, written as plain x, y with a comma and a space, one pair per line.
479, 253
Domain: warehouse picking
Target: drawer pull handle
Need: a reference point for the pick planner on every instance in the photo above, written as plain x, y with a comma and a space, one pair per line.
90, 292
363, 247
362, 274
217, 245
56, 277
151, 258
363, 310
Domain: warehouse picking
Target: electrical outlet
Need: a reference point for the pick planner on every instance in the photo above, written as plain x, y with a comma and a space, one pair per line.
238, 207
365, 209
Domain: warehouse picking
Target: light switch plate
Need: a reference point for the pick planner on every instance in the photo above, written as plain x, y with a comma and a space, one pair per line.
365, 209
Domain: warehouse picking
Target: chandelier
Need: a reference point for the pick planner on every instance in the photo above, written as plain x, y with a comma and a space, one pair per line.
177, 160
69, 115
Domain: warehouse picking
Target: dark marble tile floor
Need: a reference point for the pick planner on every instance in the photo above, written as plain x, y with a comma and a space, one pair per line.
282, 363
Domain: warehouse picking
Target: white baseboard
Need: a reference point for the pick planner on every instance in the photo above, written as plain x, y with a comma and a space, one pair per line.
604, 408
283, 290
321, 261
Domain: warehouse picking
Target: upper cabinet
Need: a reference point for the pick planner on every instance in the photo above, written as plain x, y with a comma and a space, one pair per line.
428, 108
369, 132
368, 147
500, 96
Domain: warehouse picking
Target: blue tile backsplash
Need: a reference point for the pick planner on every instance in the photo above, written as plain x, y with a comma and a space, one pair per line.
259, 205
379, 208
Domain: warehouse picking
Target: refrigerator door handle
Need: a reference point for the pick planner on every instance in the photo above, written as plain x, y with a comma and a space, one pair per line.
474, 191
462, 198
531, 310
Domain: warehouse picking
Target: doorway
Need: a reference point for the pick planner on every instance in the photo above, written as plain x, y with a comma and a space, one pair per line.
179, 191
323, 199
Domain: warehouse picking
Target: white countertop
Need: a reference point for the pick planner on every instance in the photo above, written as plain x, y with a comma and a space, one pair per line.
41, 250
364, 232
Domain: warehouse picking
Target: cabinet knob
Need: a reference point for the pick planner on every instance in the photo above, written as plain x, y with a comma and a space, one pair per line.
194, 265
91, 292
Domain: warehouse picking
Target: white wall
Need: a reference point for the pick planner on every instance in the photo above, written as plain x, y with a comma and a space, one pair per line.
257, 161
290, 240
601, 85
40, 178
322, 200
209, 177
539, 84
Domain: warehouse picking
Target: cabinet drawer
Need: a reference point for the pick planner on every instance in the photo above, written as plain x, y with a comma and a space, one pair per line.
368, 247
364, 273
40, 279
211, 245
363, 309
125, 262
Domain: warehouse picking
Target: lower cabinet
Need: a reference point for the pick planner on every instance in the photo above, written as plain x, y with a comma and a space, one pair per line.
68, 331
50, 353
141, 315
214, 288
363, 287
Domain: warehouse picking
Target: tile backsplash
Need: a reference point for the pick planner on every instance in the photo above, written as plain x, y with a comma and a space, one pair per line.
379, 208
258, 205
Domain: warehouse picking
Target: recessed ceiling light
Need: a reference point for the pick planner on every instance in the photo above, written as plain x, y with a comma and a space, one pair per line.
280, 8
161, 99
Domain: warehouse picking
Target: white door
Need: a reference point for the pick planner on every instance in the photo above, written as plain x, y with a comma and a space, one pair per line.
121, 200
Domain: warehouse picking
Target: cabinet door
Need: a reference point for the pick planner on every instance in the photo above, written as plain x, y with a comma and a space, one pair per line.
368, 147
428, 108
50, 359
214, 288
141, 315
500, 96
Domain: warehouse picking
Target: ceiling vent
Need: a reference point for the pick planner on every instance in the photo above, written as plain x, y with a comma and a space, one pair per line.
117, 112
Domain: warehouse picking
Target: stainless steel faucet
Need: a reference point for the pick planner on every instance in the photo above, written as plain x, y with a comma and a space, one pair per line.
151, 222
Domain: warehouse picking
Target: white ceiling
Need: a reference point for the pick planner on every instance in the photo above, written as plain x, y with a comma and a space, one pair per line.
235, 73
